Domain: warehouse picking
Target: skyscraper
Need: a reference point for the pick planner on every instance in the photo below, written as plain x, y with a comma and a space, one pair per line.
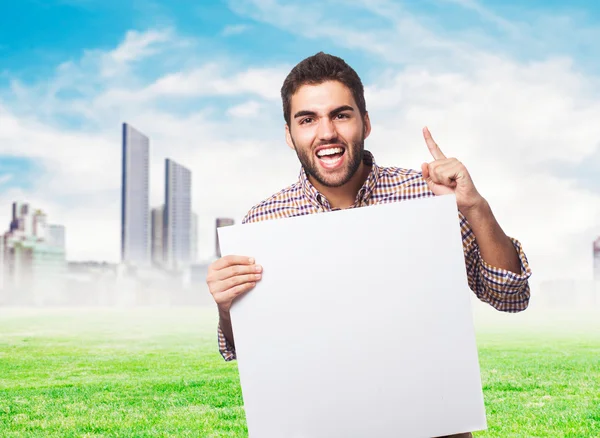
135, 224
21, 219
178, 215
221, 222
157, 235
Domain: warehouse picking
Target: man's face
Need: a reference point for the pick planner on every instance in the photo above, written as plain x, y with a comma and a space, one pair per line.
327, 132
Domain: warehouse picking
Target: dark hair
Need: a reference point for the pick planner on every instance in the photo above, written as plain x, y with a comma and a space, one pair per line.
317, 69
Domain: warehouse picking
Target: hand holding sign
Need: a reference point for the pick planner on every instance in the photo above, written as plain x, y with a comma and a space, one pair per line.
448, 175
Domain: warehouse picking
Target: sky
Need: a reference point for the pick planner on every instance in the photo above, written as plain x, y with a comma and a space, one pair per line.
512, 91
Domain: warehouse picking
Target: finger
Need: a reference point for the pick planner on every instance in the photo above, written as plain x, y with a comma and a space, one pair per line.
427, 176
230, 283
425, 170
231, 294
434, 171
232, 271
230, 260
451, 166
434, 149
447, 173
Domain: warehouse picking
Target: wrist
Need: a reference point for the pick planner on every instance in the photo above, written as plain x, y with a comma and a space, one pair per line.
224, 315
477, 209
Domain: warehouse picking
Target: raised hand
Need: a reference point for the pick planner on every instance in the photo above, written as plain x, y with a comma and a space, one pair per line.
231, 276
448, 175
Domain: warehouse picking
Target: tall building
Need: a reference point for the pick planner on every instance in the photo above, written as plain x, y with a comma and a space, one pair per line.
157, 218
22, 220
597, 259
135, 223
221, 222
178, 216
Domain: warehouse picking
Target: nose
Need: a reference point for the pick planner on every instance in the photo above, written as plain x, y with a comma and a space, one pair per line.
326, 129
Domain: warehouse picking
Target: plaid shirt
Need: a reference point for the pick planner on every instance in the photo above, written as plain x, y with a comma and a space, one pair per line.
502, 289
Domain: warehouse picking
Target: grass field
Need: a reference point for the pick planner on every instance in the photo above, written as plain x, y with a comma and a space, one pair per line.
157, 373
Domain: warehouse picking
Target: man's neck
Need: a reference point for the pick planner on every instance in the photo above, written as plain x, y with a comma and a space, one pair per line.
344, 196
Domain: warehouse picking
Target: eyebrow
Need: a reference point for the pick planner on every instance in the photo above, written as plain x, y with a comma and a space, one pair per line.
331, 113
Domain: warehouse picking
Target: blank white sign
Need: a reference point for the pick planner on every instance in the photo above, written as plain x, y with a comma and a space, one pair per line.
361, 325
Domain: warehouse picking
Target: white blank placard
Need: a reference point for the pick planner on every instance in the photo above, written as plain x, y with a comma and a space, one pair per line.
361, 325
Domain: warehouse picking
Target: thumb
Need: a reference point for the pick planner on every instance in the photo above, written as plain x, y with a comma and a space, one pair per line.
427, 176
425, 170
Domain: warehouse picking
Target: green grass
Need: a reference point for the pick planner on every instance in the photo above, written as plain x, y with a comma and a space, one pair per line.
142, 373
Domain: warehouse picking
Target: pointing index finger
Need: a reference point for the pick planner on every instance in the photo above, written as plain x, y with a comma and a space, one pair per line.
432, 145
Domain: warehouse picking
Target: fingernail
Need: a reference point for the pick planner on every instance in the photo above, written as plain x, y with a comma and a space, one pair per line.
251, 260
258, 268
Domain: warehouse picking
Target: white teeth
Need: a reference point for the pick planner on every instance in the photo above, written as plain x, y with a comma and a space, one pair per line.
329, 151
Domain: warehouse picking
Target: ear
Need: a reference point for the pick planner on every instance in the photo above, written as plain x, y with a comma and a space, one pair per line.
367, 125
288, 137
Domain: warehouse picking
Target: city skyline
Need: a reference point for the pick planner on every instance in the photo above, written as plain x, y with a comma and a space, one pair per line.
148, 235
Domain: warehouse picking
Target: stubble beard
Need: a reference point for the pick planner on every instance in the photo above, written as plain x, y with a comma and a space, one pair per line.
311, 168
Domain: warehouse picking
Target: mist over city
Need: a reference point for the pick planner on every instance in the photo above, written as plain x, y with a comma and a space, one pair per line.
159, 247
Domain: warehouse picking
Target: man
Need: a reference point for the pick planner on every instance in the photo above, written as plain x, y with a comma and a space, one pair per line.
326, 124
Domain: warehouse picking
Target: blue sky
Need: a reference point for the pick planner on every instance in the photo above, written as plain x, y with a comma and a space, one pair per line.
63, 30
512, 90
35, 36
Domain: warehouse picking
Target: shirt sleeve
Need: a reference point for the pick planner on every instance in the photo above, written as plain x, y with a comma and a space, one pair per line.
504, 290
225, 348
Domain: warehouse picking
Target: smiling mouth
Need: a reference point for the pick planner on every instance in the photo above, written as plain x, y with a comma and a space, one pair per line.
331, 153
331, 156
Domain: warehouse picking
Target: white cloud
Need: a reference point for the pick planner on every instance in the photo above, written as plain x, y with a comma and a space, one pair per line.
235, 29
136, 46
488, 15
246, 109
402, 39
211, 80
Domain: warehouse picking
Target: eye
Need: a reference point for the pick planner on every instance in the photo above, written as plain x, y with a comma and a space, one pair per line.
306, 120
342, 116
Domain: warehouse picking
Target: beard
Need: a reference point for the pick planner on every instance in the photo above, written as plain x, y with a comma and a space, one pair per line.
354, 151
